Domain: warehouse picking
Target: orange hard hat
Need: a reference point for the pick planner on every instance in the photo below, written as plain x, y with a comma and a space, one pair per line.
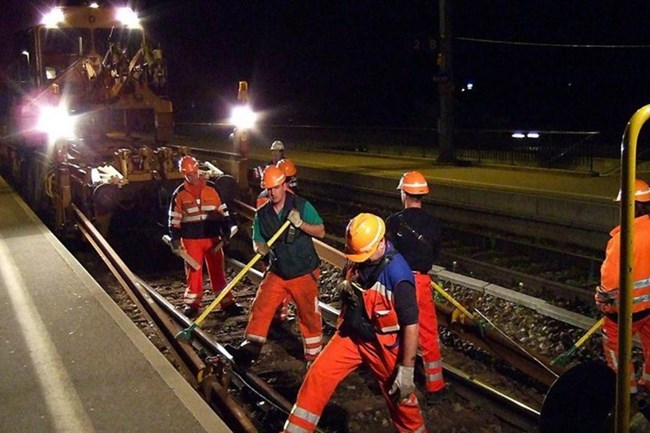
641, 191
188, 165
272, 177
287, 166
414, 183
363, 236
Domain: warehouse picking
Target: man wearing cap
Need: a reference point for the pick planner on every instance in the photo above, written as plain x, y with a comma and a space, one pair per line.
378, 327
277, 155
416, 235
607, 293
277, 152
293, 270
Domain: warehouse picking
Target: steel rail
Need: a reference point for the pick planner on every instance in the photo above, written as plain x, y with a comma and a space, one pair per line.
149, 304
525, 416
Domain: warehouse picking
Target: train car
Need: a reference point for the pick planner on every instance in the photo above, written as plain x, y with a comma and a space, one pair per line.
89, 122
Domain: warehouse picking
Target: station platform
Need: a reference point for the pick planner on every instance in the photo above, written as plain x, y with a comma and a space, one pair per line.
551, 197
71, 360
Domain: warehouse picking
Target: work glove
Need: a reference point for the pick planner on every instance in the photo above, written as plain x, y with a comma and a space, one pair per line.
346, 293
605, 301
294, 217
403, 385
262, 248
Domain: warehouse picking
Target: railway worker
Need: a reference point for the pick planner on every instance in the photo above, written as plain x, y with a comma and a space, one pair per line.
198, 221
277, 155
293, 270
607, 292
416, 235
289, 169
277, 152
378, 327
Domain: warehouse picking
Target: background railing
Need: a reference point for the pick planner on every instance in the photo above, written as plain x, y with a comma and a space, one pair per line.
582, 151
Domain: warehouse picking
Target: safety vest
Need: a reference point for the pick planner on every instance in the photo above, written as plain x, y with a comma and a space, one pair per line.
610, 272
293, 253
196, 218
378, 298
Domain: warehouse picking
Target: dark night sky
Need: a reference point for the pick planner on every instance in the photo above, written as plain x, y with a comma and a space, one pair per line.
355, 62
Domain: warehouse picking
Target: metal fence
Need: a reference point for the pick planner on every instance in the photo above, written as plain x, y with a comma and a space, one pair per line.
572, 150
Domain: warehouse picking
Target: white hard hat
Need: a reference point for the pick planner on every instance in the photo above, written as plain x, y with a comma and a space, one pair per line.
277, 145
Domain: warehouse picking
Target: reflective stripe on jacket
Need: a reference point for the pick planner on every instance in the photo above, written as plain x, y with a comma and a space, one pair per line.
610, 272
378, 298
196, 218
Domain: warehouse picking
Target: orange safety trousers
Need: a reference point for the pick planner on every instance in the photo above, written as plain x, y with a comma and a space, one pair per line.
271, 294
429, 338
342, 356
202, 250
610, 345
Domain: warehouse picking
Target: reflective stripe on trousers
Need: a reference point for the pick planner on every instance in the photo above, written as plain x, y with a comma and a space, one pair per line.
270, 295
339, 358
201, 251
610, 347
429, 337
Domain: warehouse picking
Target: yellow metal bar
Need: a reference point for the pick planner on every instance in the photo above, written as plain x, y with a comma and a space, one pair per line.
588, 334
452, 301
187, 332
628, 176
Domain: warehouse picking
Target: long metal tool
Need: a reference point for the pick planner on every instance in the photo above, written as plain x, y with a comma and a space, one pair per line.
546, 367
564, 358
181, 253
452, 301
186, 333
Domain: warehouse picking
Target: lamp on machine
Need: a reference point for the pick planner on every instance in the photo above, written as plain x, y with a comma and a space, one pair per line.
56, 122
128, 17
53, 17
243, 117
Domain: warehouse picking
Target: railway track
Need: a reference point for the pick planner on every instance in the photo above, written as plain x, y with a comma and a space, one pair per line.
280, 366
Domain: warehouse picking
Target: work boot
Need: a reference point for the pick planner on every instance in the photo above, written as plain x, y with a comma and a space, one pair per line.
641, 402
233, 309
437, 396
246, 353
190, 312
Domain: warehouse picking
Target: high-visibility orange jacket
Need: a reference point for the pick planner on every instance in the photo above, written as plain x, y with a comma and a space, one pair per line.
197, 216
607, 295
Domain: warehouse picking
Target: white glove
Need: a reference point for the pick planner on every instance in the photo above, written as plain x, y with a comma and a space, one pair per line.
403, 385
262, 248
294, 217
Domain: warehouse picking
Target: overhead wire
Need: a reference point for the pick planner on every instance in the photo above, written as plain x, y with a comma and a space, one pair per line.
553, 45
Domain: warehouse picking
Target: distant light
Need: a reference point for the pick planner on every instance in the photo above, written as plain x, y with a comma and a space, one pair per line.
243, 117
53, 17
518, 135
128, 17
93, 5
470, 85
532, 135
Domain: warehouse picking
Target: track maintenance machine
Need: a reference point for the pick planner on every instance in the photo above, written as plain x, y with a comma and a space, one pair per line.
90, 122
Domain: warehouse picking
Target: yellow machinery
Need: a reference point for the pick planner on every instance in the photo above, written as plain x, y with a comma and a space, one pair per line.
90, 119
